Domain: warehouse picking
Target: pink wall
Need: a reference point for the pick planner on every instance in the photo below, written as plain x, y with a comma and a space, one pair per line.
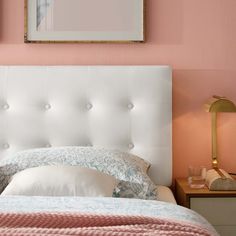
196, 37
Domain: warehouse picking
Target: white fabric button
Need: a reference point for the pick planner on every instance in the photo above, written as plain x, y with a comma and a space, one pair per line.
131, 145
89, 106
5, 106
48, 145
5, 145
130, 106
47, 106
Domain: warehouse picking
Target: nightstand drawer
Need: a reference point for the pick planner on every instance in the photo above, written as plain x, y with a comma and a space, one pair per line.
218, 211
226, 230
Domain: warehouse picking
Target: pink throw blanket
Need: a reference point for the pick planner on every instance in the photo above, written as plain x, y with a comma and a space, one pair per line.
64, 224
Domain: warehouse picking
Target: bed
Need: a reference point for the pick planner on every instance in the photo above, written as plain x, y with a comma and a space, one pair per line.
77, 116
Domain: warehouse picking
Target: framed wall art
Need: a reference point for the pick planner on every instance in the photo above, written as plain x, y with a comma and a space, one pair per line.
62, 21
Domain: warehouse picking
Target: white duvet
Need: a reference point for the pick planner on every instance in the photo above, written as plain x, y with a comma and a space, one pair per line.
116, 206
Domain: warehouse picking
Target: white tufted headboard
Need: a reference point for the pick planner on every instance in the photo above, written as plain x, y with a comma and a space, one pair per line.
125, 107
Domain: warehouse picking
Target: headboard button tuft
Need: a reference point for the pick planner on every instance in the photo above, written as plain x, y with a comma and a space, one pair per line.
89, 106
130, 106
5, 106
5, 146
47, 106
48, 145
131, 146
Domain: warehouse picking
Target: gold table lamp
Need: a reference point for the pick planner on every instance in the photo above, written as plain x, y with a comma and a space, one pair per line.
214, 105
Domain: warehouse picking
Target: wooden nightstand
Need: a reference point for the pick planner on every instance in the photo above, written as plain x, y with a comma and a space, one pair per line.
218, 207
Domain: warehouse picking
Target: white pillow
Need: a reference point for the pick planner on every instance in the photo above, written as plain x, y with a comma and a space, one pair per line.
61, 181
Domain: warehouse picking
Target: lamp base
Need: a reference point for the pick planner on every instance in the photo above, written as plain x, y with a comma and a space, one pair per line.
216, 182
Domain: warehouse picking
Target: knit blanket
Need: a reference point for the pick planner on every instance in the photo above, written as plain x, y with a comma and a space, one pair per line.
64, 224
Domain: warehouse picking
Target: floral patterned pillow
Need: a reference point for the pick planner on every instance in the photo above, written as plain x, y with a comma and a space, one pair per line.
131, 170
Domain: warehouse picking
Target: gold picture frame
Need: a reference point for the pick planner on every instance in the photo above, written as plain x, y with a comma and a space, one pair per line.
35, 35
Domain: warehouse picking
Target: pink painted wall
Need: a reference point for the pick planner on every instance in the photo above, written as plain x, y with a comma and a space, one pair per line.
196, 37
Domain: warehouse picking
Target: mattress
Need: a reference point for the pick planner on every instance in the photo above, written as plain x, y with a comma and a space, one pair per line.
165, 194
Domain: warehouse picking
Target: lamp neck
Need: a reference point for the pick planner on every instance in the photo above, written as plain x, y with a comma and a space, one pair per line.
214, 139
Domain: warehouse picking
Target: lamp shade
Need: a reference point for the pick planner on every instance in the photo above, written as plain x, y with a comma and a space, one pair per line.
214, 105
220, 104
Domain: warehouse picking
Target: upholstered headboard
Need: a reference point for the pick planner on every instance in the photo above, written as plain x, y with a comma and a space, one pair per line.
125, 107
